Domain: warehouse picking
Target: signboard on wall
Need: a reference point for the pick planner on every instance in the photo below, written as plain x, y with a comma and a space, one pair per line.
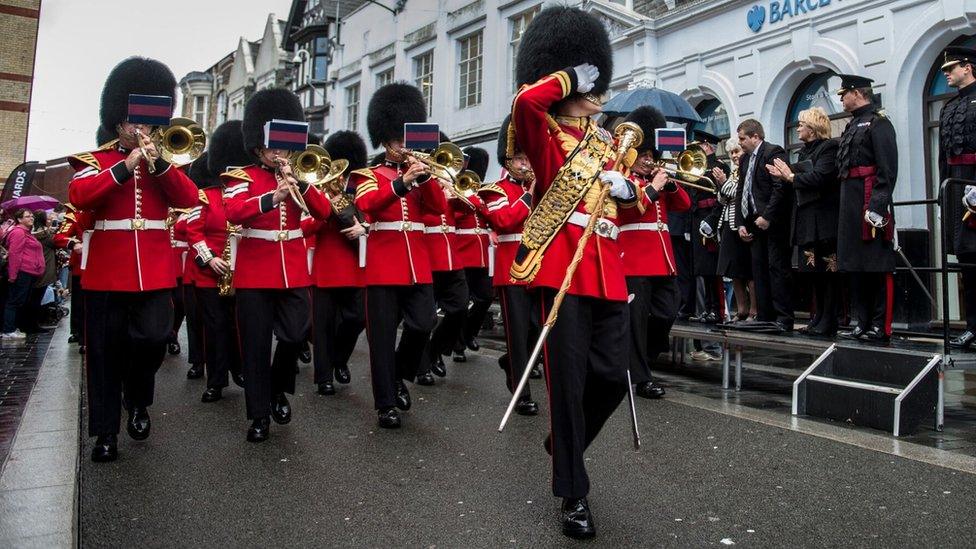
779, 11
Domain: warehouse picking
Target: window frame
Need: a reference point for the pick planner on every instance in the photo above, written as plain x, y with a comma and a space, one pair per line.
466, 66
425, 81
352, 107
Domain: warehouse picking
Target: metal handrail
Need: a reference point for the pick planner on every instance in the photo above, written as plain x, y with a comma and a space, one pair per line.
944, 252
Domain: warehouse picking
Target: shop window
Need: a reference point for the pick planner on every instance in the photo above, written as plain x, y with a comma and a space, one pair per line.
715, 120
818, 90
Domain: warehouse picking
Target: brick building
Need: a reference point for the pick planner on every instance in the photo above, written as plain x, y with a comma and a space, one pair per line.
18, 27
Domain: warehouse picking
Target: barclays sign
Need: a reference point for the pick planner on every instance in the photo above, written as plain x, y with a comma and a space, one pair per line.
780, 10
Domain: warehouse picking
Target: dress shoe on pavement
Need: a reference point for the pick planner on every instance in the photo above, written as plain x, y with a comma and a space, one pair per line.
472, 345
402, 396
876, 334
526, 406
783, 327
388, 418
238, 379
139, 423
305, 355
649, 389
106, 449
963, 341
709, 318
438, 368
173, 347
326, 388
459, 356
258, 432
855, 334
280, 409
212, 394
425, 378
536, 372
342, 374
547, 444
577, 520
195, 371
72, 338
82, 349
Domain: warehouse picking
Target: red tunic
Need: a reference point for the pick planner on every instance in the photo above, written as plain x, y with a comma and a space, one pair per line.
547, 142
129, 250
395, 257
335, 263
271, 253
440, 238
472, 237
644, 237
178, 238
71, 232
506, 215
206, 230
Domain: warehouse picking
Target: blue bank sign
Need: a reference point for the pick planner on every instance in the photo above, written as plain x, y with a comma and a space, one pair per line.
780, 10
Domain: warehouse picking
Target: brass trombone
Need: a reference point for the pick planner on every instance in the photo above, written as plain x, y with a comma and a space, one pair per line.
180, 143
446, 163
310, 166
469, 183
689, 169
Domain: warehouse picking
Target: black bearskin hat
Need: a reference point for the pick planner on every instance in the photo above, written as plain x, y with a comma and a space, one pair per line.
103, 135
201, 174
477, 161
503, 153
347, 145
264, 106
227, 148
137, 75
561, 37
378, 159
648, 119
390, 108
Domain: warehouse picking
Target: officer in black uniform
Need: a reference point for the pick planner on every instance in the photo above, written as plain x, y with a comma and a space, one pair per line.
706, 212
957, 158
868, 164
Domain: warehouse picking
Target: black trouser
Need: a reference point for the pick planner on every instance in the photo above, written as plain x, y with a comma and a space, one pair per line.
261, 313
652, 312
385, 306
221, 351
521, 331
125, 333
969, 290
481, 294
869, 300
586, 361
451, 297
826, 297
18, 293
77, 321
771, 270
686, 282
338, 317
185, 307
29, 318
179, 310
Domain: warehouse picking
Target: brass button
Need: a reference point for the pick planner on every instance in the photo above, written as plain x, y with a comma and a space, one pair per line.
282, 236
405, 226
137, 224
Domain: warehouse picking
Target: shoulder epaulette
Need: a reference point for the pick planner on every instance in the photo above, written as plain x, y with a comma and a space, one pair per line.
238, 174
365, 172
87, 158
203, 197
110, 145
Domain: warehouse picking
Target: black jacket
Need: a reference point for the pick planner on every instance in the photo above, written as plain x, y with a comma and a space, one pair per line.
773, 201
817, 193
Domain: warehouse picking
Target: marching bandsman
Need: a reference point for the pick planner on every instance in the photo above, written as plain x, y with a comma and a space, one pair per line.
564, 65
475, 252
184, 299
128, 276
506, 214
70, 237
957, 159
393, 195
868, 163
209, 234
338, 273
271, 277
706, 212
648, 257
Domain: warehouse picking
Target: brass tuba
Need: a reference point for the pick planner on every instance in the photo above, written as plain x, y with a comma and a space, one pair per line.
180, 143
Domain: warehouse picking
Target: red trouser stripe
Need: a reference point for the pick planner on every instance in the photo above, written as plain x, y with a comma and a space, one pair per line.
889, 301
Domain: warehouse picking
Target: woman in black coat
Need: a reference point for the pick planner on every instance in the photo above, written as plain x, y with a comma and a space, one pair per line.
817, 189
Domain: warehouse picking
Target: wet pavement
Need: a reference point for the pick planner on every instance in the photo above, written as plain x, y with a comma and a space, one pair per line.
19, 364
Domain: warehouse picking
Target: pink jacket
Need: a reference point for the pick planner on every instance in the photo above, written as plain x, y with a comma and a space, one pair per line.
24, 253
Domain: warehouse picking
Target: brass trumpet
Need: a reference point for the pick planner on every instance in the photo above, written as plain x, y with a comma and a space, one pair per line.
446, 163
310, 166
180, 143
468, 184
689, 169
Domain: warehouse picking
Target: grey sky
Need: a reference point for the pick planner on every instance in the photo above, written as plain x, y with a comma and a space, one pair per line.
79, 41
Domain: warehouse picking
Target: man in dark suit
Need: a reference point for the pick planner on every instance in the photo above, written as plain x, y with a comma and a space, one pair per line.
763, 218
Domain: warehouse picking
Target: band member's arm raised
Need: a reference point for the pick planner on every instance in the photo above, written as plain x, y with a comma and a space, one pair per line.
319, 206
239, 206
677, 200
179, 189
196, 220
530, 116
371, 196
432, 198
92, 184
886, 162
505, 216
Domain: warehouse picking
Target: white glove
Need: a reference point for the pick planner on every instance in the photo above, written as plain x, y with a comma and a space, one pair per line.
705, 229
969, 200
586, 75
619, 188
874, 219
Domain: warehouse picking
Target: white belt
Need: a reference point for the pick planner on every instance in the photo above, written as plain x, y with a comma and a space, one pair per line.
402, 226
180, 244
644, 227
438, 229
514, 237
130, 224
603, 227
472, 231
273, 236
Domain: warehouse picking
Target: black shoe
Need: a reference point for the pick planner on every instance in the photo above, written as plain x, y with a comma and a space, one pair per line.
710, 318
547, 444
238, 379
139, 423
173, 348
425, 379
577, 520
72, 338
342, 374
855, 334
438, 367
388, 418
402, 396
472, 345
459, 356
877, 335
784, 328
82, 349
212, 394
649, 389
536, 372
964, 341
106, 449
280, 409
258, 432
326, 388
526, 406
305, 355
195, 371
